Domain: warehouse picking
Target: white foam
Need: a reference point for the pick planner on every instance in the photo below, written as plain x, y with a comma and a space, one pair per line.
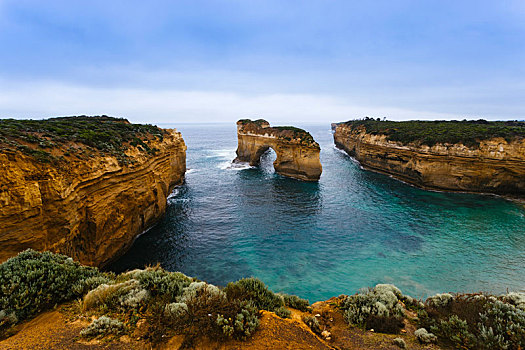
234, 166
339, 149
174, 194
189, 171
222, 153
349, 156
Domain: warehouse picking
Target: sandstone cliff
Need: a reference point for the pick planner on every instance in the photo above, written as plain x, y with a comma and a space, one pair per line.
297, 152
495, 165
78, 200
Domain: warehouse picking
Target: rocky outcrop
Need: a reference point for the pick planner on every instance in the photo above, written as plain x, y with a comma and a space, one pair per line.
495, 166
90, 208
297, 152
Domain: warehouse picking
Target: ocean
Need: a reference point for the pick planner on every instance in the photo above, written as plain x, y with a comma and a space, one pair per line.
352, 230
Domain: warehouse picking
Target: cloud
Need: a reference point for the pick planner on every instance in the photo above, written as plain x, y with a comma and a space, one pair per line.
45, 99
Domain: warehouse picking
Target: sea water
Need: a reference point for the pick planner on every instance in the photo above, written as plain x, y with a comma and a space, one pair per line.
351, 230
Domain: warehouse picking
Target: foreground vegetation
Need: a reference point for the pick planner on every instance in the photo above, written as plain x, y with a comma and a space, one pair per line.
107, 135
467, 132
170, 302
158, 304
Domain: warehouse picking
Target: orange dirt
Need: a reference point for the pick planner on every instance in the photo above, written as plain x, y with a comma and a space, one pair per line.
52, 330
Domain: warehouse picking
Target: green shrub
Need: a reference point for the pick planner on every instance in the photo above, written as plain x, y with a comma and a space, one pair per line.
283, 312
90, 283
476, 321
203, 289
455, 330
158, 281
378, 308
205, 310
176, 310
99, 134
32, 282
295, 302
242, 325
102, 326
440, 300
501, 326
516, 298
424, 337
255, 290
469, 133
127, 294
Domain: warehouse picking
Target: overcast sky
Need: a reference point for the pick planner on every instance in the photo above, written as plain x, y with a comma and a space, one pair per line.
285, 61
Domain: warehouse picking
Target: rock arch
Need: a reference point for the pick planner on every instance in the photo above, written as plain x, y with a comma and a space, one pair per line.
297, 152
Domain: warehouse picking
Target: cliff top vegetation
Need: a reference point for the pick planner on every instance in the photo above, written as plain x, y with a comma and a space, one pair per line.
288, 133
107, 135
467, 132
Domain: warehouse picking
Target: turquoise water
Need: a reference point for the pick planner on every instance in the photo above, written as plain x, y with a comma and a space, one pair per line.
351, 230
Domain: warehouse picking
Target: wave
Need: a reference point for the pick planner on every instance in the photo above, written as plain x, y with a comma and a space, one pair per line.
234, 166
222, 153
174, 193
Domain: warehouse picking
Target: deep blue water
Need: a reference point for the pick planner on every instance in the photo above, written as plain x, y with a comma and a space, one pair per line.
353, 229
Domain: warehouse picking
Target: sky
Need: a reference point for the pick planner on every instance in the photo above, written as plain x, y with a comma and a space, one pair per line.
306, 61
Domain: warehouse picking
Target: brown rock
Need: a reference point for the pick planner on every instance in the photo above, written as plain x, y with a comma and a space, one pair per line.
91, 210
496, 166
297, 152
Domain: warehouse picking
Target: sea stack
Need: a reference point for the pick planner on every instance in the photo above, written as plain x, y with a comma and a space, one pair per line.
84, 186
296, 150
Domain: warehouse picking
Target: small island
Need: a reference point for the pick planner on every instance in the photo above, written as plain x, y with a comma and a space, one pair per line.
469, 156
297, 152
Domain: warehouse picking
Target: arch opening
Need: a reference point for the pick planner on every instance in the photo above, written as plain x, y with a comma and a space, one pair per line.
267, 159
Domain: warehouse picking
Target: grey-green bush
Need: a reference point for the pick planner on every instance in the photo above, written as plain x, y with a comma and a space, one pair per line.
158, 281
476, 321
102, 326
424, 336
127, 294
242, 325
501, 326
32, 282
378, 308
255, 290
295, 302
455, 330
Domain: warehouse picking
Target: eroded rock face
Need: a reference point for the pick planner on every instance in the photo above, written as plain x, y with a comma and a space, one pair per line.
297, 152
496, 166
92, 209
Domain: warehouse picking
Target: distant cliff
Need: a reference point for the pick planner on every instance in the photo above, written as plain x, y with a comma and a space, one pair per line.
83, 186
480, 156
297, 152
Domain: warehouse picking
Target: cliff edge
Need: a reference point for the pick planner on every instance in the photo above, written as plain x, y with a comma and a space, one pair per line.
83, 186
297, 152
472, 156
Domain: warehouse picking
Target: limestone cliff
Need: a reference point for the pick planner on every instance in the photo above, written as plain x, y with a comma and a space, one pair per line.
297, 152
495, 165
77, 199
